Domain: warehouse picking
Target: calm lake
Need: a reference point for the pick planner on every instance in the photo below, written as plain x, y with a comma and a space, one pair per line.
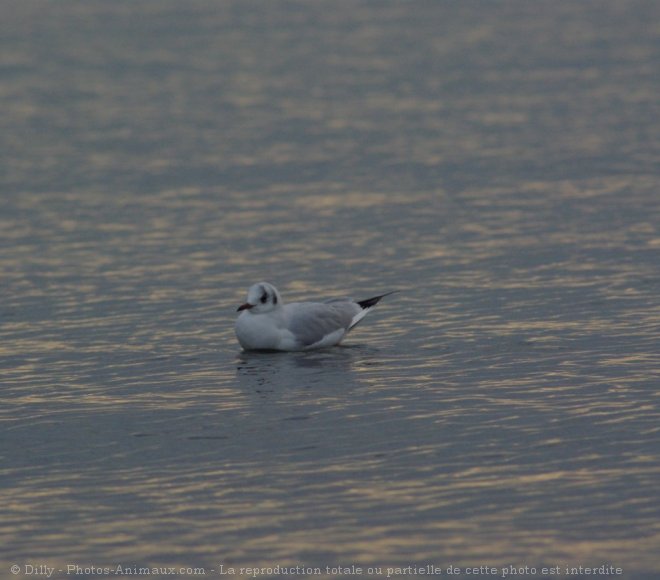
496, 162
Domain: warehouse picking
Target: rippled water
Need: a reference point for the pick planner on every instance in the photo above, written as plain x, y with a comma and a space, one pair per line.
497, 162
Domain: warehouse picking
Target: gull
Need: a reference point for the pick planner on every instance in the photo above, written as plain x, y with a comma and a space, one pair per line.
266, 323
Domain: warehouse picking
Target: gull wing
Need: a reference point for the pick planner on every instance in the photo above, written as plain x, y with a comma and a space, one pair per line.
314, 323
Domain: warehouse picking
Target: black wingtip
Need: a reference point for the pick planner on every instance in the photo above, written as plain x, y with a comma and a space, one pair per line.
369, 302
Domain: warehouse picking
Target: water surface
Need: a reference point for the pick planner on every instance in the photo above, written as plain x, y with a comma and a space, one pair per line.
497, 163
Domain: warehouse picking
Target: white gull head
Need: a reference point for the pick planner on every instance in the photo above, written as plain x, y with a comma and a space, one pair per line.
262, 297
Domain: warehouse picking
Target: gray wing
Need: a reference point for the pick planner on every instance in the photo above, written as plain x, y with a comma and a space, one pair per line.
310, 322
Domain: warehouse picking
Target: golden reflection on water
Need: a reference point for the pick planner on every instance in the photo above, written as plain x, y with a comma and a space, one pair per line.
490, 535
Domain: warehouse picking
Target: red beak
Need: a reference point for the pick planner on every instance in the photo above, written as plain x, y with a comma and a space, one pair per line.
245, 306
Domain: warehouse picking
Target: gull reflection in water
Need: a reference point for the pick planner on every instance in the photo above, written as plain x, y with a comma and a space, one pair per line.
285, 370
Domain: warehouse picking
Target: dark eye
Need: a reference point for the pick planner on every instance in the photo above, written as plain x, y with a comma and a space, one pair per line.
264, 297
274, 298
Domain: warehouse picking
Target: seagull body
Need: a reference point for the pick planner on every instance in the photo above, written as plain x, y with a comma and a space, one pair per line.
265, 323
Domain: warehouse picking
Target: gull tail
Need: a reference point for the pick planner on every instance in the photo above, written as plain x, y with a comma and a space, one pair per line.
366, 306
371, 302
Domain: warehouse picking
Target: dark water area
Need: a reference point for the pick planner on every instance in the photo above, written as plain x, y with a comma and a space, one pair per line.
495, 162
